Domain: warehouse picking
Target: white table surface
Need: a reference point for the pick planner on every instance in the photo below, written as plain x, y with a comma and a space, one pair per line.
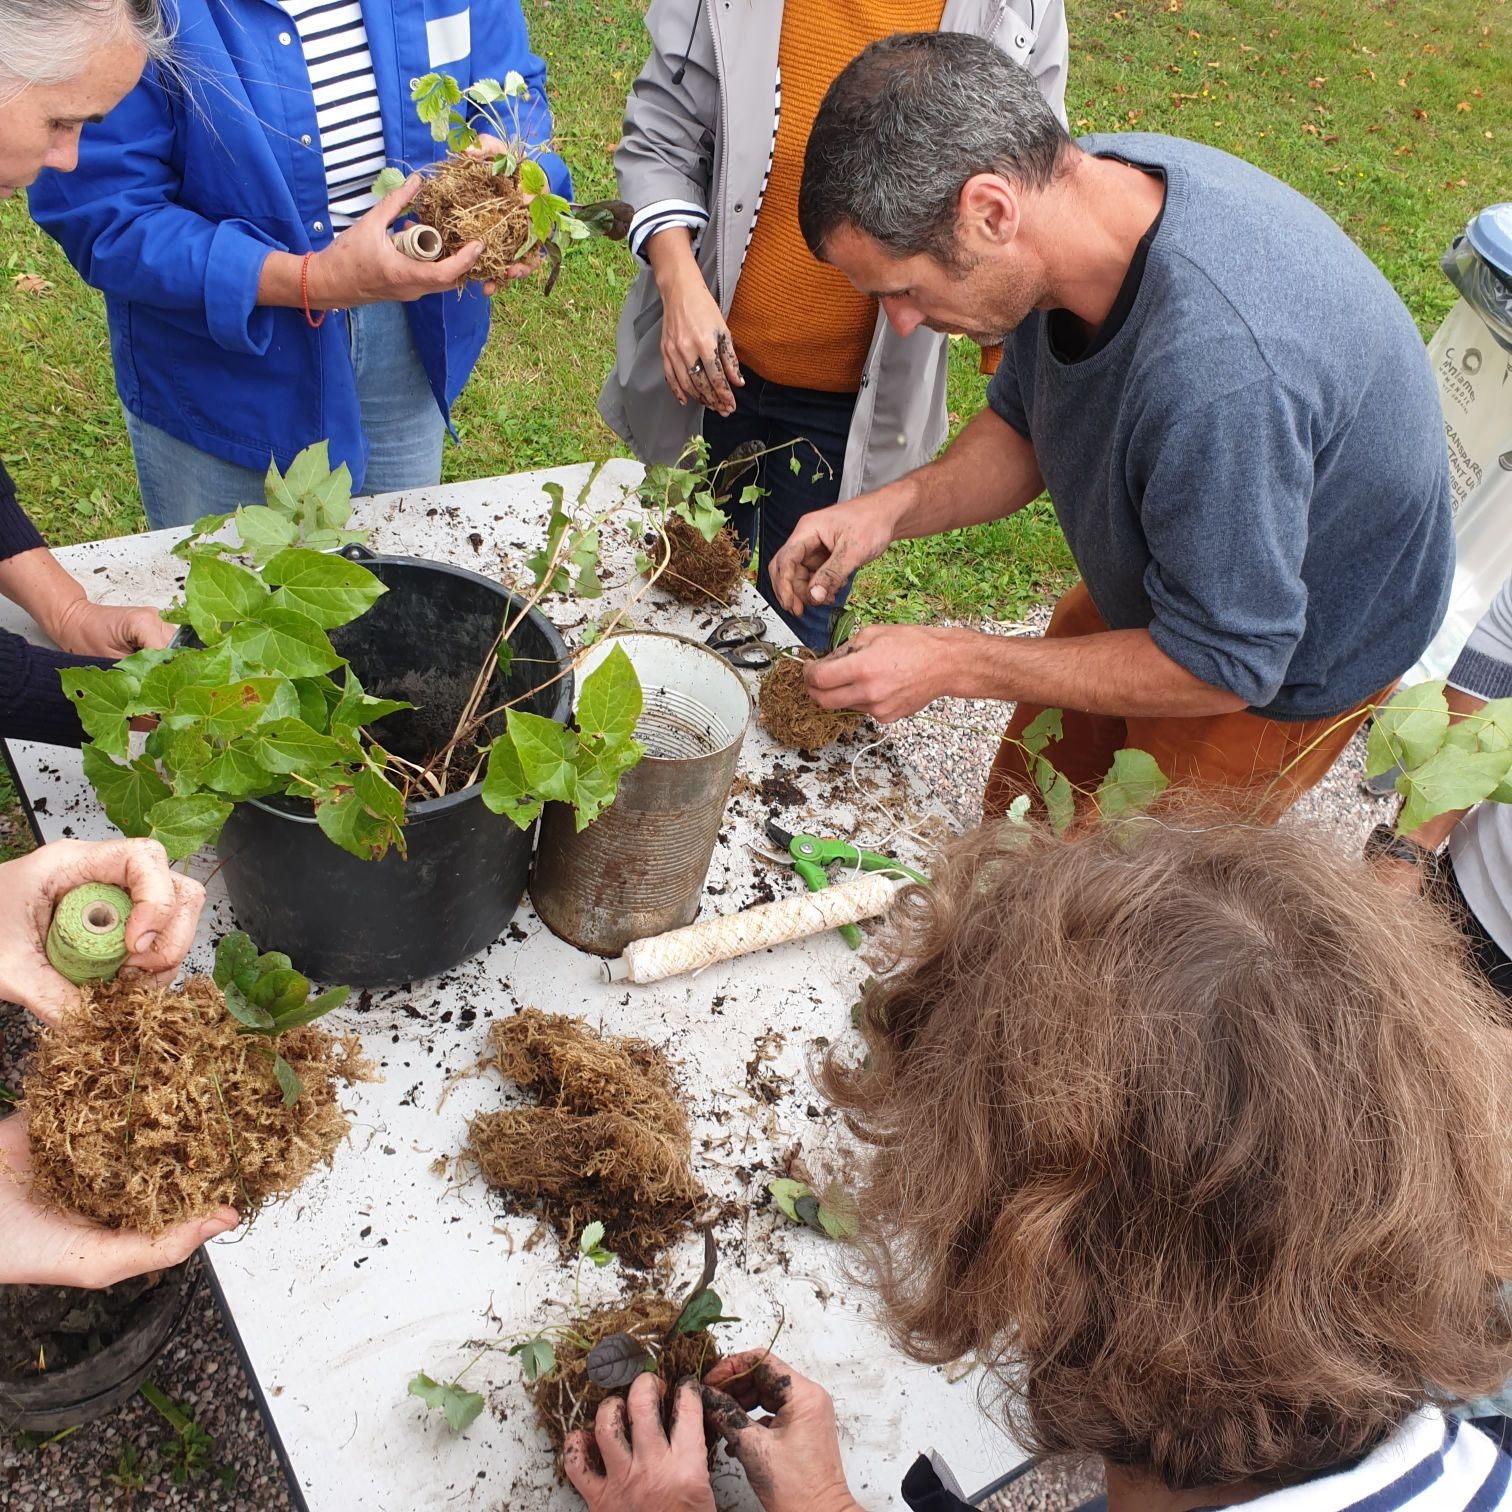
381, 1268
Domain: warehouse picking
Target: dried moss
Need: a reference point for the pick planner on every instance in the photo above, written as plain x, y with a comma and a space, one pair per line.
148, 1109
610, 1139
700, 571
467, 202
791, 717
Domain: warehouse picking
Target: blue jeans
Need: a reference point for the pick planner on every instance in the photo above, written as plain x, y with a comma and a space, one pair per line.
400, 419
775, 416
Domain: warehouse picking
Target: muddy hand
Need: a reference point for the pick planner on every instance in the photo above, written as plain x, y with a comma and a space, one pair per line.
825, 549
887, 671
46, 1247
637, 1468
792, 1459
698, 357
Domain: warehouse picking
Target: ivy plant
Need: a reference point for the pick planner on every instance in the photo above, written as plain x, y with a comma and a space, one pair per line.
267, 997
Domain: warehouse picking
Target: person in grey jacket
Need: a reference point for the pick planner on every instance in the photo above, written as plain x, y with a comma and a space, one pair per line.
732, 329
1473, 876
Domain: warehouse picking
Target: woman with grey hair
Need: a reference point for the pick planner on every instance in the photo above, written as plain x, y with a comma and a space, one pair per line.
62, 63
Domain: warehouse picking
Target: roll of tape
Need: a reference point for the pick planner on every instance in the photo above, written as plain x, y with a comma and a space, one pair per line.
86, 941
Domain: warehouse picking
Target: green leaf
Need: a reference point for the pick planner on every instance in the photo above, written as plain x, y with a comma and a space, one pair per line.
184, 824
127, 793
533, 178
591, 1237
362, 815
388, 180
234, 953
357, 709
545, 750
505, 789
1060, 800
229, 711
537, 1358
1409, 729
237, 773
1131, 784
308, 468
459, 1407
837, 1221
288, 1081
317, 1007
327, 589
1493, 725
542, 221
610, 700
264, 531
317, 696
282, 640
184, 755
290, 745
246, 1012
1449, 779
163, 684
219, 594
281, 991
193, 543
600, 765
484, 91
786, 1192
106, 698
702, 1310
1045, 727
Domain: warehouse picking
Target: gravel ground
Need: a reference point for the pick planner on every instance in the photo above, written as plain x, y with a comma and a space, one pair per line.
952, 746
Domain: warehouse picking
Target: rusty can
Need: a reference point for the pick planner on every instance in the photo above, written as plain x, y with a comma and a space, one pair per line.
639, 868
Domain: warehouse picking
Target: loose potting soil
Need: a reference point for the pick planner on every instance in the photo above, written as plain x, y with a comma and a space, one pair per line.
700, 571
147, 1108
466, 201
567, 1399
53, 1327
791, 717
609, 1140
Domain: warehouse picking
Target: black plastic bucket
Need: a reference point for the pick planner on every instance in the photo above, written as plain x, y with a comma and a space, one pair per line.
374, 923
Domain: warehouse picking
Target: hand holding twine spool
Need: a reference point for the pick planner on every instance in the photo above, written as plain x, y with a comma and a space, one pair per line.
86, 941
422, 243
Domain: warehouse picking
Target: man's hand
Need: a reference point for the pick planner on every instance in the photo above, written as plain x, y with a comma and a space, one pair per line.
165, 909
827, 546
792, 1460
362, 266
45, 1247
887, 671
639, 1469
110, 630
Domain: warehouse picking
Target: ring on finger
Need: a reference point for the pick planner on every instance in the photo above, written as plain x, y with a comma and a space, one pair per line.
697, 367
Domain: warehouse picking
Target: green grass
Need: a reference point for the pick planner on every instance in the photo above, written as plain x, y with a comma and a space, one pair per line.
1356, 105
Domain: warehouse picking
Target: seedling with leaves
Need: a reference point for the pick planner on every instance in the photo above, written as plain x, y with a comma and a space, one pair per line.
831, 1214
191, 1457
266, 996
458, 1405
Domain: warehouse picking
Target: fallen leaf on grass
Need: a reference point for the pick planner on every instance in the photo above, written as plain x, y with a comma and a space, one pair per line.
34, 283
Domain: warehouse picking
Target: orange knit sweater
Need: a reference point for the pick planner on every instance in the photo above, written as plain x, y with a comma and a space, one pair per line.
794, 320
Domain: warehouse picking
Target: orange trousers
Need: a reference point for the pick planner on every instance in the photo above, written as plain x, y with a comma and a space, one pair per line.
1252, 764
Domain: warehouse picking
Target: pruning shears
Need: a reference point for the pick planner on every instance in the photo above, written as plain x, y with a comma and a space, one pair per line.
812, 856
740, 639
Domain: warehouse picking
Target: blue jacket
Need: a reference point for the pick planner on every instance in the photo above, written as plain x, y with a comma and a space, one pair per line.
184, 187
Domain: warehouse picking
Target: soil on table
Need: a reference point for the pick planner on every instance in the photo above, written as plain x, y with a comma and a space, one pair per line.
48, 1328
147, 1108
608, 1140
466, 201
700, 571
791, 717
567, 1399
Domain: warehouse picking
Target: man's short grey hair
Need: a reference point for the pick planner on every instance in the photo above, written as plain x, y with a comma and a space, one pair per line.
903, 128
49, 41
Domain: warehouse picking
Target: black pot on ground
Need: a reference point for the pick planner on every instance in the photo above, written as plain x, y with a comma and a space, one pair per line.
138, 1321
374, 923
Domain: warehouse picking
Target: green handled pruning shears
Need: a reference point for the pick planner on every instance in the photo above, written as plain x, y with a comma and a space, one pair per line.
812, 857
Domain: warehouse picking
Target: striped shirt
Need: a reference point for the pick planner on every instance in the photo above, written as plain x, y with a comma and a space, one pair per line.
335, 44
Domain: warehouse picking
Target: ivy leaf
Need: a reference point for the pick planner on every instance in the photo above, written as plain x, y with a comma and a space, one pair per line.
459, 1407
703, 1310
317, 696
1045, 727
610, 700
229, 711
362, 814
1408, 729
616, 1360
106, 700
235, 772
219, 594
537, 1358
289, 745
1493, 725
356, 708
264, 531
1060, 801
246, 1012
184, 824
234, 953
184, 755
600, 765
327, 589
288, 1081
128, 793
505, 790
545, 750
192, 543
162, 685
1131, 784
1449, 779
317, 1007
283, 640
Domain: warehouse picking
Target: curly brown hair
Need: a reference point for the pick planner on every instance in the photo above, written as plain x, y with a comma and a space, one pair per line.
1196, 1136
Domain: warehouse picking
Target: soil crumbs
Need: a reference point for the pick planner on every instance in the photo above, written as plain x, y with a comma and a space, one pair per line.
147, 1108
609, 1139
567, 1399
49, 1328
700, 571
791, 717
466, 201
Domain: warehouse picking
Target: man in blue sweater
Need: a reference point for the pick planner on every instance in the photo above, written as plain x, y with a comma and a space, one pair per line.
1230, 408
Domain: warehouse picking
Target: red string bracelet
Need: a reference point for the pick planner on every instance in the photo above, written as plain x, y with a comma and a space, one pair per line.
304, 293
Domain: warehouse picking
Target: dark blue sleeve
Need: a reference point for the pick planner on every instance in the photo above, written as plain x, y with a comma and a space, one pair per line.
33, 705
17, 533
500, 44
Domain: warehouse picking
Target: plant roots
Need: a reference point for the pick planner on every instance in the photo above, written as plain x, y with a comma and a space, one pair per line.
148, 1109
791, 717
609, 1141
700, 571
467, 202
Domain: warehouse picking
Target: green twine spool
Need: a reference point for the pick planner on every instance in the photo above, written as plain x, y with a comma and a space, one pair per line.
86, 941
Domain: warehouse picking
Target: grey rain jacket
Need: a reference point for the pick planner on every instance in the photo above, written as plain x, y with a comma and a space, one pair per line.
695, 150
